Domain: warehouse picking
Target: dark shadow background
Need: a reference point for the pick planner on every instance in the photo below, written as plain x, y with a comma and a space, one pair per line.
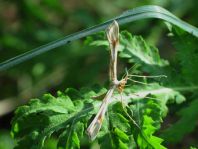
27, 24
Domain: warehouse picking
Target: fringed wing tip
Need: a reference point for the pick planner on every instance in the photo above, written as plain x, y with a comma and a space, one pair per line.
93, 130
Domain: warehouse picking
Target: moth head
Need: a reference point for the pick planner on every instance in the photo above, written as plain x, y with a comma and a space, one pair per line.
113, 33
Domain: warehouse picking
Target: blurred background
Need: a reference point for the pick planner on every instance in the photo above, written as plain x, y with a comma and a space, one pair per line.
27, 24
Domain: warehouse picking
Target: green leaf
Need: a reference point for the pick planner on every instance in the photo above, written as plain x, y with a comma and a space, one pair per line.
119, 129
164, 95
121, 135
186, 123
193, 147
6, 142
118, 119
137, 50
149, 126
41, 118
187, 55
70, 138
148, 112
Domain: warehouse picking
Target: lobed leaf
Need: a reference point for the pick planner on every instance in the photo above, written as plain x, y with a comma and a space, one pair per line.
186, 55
41, 118
135, 49
186, 123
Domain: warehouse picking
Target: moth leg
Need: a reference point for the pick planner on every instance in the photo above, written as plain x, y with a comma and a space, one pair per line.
125, 111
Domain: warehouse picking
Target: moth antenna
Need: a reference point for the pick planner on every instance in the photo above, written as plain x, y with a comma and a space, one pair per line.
140, 76
137, 81
127, 73
145, 96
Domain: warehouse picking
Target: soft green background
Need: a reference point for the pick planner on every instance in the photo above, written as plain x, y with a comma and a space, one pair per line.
26, 24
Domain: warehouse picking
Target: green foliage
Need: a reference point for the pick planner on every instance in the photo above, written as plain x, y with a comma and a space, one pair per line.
134, 125
151, 110
135, 49
187, 57
186, 123
6, 142
40, 118
151, 119
28, 24
68, 118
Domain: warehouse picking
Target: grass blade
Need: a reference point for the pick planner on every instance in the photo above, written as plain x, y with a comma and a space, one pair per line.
139, 13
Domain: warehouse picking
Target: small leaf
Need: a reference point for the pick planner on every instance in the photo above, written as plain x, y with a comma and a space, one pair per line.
122, 136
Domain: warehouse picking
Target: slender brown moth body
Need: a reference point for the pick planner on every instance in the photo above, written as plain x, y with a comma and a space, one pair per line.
113, 38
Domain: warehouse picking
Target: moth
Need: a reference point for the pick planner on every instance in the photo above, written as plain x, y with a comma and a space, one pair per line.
112, 33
